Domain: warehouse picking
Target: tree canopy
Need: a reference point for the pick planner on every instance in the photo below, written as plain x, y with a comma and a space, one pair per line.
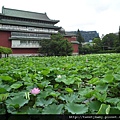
80, 39
56, 46
110, 40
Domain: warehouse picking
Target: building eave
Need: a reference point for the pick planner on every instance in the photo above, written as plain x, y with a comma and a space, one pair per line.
28, 24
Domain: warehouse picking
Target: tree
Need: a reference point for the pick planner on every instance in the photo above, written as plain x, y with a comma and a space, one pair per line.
5, 50
98, 43
56, 46
109, 41
80, 39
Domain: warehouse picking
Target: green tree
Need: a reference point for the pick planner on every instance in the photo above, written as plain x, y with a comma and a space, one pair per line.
109, 41
56, 46
80, 39
97, 43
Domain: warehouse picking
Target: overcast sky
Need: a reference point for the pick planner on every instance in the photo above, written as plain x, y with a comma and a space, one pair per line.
88, 15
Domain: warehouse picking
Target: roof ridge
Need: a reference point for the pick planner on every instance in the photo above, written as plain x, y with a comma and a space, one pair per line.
23, 10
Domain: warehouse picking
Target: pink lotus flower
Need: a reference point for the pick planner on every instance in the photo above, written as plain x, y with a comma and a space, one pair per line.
35, 91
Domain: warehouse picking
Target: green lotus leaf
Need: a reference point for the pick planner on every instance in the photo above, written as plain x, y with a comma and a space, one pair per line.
17, 100
112, 100
114, 111
3, 97
69, 90
16, 85
100, 96
94, 105
118, 106
7, 78
68, 98
76, 108
45, 72
43, 102
117, 77
3, 90
60, 78
54, 94
53, 109
68, 81
101, 88
94, 81
108, 78
104, 109
32, 111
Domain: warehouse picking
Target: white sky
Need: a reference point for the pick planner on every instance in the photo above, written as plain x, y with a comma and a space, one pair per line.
88, 15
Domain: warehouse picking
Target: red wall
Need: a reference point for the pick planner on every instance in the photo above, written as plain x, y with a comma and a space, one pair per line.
71, 38
75, 48
24, 50
5, 42
4, 39
75, 45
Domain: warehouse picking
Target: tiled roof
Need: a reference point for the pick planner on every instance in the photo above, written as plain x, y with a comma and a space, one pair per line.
25, 14
28, 24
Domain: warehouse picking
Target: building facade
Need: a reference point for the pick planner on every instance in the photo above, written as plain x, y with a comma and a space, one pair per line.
22, 30
75, 44
87, 35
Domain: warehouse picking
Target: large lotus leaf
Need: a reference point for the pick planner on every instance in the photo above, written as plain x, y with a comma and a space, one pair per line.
45, 72
68, 98
3, 97
32, 111
108, 78
2, 111
43, 84
104, 109
94, 105
76, 108
28, 83
100, 96
87, 92
11, 109
16, 85
94, 81
68, 81
2, 90
7, 78
17, 100
114, 110
60, 78
43, 94
118, 106
54, 94
101, 88
53, 109
117, 77
112, 100
43, 102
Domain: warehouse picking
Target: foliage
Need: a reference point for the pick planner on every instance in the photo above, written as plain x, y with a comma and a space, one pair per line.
98, 43
87, 84
5, 50
56, 46
109, 41
118, 49
80, 39
89, 48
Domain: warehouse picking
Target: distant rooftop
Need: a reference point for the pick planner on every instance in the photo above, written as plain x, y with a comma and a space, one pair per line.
87, 35
26, 14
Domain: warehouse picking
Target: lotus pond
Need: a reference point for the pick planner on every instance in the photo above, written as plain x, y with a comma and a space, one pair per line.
86, 84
